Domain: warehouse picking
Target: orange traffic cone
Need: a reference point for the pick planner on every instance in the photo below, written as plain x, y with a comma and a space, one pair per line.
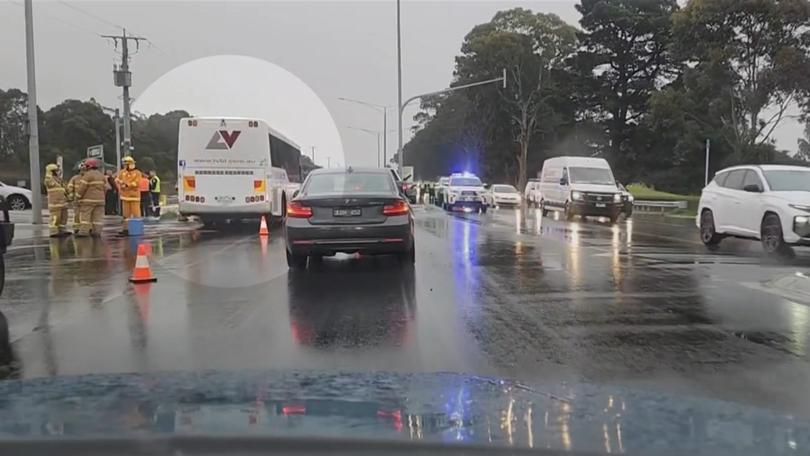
142, 272
263, 231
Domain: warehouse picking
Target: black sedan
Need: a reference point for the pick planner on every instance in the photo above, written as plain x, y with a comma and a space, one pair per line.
348, 211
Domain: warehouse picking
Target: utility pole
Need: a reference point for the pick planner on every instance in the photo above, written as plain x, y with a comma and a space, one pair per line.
33, 127
313, 154
708, 145
122, 77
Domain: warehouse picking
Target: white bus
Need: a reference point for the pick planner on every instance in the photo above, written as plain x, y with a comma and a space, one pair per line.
234, 168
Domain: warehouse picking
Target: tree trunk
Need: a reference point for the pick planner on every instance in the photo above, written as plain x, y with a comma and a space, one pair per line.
523, 155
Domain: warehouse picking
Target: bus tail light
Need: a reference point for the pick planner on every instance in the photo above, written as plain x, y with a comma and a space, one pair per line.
298, 210
189, 183
398, 208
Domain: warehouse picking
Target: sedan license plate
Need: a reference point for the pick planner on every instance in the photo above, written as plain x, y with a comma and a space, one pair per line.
600, 204
345, 212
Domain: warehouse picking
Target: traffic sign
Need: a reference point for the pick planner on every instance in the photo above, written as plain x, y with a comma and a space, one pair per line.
95, 151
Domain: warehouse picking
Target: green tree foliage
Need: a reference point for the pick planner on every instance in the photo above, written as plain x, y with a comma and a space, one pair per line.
70, 127
491, 130
13, 122
760, 51
624, 58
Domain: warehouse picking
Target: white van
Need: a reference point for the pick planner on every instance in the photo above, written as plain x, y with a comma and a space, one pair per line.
234, 168
581, 186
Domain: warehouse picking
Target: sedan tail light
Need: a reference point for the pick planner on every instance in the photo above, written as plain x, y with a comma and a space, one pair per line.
398, 208
298, 210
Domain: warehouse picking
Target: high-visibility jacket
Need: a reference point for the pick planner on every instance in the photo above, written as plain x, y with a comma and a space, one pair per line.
71, 186
154, 184
143, 184
90, 189
128, 181
57, 195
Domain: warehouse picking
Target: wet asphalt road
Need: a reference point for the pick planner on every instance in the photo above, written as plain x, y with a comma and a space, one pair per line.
509, 294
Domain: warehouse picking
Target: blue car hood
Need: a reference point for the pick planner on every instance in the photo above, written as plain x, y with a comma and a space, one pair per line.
448, 408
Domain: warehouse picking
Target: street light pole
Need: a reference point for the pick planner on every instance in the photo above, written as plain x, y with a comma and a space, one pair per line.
379, 108
33, 127
439, 92
399, 90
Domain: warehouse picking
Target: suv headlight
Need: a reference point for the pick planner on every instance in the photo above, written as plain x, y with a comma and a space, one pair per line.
631, 198
801, 207
617, 197
576, 196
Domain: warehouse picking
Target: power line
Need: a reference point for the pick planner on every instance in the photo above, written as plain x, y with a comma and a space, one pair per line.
56, 19
89, 14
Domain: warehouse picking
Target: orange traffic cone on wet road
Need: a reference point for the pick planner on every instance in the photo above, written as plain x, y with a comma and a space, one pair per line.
263, 231
142, 272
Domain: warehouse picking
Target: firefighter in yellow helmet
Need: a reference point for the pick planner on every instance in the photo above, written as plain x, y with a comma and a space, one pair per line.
57, 201
71, 194
90, 195
128, 180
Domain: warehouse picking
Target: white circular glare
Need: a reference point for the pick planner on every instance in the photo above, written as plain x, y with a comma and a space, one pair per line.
242, 86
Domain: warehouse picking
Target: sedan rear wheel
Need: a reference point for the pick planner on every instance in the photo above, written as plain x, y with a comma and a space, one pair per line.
296, 262
408, 257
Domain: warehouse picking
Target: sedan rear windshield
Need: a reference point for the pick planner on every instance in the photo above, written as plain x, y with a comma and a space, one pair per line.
504, 189
591, 176
465, 182
788, 180
349, 184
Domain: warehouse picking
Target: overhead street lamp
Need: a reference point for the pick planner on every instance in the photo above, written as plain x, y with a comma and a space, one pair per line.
376, 133
438, 92
379, 108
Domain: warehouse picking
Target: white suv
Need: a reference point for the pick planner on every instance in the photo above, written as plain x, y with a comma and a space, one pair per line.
465, 191
769, 203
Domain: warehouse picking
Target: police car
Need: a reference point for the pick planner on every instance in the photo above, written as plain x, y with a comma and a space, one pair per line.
464, 191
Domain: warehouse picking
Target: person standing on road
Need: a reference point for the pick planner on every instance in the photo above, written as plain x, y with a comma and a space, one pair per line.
128, 180
146, 200
71, 194
431, 193
90, 194
57, 201
110, 194
154, 189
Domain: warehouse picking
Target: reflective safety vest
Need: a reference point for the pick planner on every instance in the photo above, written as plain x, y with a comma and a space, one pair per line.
71, 186
128, 181
154, 184
57, 195
90, 188
143, 184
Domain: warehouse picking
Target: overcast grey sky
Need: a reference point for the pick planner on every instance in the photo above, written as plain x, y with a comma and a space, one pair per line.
340, 49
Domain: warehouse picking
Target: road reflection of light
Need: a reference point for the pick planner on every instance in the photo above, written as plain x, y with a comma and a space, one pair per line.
574, 226
615, 263
800, 317
518, 248
629, 229
573, 253
565, 431
518, 218
463, 240
538, 222
529, 427
606, 438
619, 435
506, 420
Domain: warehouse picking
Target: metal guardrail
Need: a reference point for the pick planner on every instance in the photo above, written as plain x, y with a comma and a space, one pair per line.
659, 205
